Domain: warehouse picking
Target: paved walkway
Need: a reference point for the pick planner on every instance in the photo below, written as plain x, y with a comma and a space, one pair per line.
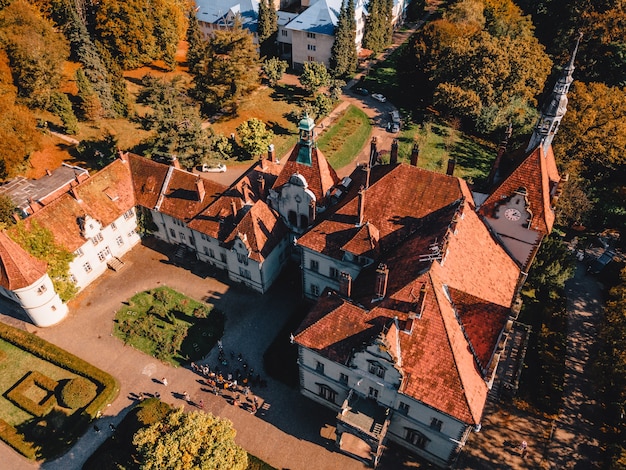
284, 433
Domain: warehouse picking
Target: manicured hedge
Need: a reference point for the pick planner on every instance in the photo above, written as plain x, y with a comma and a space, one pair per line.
33, 379
77, 393
10, 436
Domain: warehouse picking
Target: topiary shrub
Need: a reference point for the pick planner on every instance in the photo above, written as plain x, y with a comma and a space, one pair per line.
77, 392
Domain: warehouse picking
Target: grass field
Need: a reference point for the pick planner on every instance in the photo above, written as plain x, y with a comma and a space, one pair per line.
346, 138
169, 326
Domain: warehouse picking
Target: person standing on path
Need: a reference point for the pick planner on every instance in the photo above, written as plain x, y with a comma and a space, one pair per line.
164, 381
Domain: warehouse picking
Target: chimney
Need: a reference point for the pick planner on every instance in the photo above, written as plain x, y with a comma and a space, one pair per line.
233, 208
451, 165
345, 284
367, 176
75, 194
312, 212
393, 159
261, 181
175, 162
271, 154
415, 152
263, 163
382, 276
33, 205
361, 206
200, 189
122, 155
48, 172
373, 152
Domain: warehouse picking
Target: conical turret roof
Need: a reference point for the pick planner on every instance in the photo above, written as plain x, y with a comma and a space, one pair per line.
18, 269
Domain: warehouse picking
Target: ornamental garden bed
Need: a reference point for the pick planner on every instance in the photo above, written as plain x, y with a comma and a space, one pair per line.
48, 396
169, 325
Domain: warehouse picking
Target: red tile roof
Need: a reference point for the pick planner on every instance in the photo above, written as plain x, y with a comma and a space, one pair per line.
538, 174
320, 176
18, 269
468, 293
148, 178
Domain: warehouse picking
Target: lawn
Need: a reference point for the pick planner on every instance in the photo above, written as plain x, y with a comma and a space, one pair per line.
169, 326
48, 396
346, 137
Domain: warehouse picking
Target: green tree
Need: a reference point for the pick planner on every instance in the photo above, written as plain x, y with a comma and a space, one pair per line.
553, 266
36, 52
39, 242
101, 151
7, 210
267, 27
314, 76
195, 41
229, 70
254, 137
89, 106
343, 57
61, 106
274, 69
378, 26
189, 440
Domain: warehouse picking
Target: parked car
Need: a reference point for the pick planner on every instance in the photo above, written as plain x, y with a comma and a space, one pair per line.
219, 168
361, 91
379, 97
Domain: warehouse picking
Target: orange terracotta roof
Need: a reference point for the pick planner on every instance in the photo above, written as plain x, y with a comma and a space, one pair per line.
148, 178
105, 196
18, 269
364, 242
538, 174
320, 176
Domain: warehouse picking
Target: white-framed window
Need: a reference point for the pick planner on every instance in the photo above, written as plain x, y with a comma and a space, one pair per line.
403, 408
120, 241
97, 239
102, 255
245, 273
310, 35
41, 289
376, 369
314, 265
79, 252
343, 378
283, 32
315, 290
334, 272
113, 226
416, 438
319, 367
87, 267
173, 233
436, 424
310, 58
182, 236
327, 393
132, 233
310, 47
242, 258
223, 257
128, 214
373, 393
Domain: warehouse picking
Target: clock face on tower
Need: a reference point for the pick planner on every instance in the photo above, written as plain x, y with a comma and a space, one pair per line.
512, 214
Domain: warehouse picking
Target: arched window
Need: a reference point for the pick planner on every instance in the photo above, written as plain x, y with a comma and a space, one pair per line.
292, 217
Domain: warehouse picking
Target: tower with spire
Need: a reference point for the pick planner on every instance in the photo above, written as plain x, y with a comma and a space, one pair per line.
554, 110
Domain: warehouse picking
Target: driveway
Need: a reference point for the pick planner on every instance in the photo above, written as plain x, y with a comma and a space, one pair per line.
285, 432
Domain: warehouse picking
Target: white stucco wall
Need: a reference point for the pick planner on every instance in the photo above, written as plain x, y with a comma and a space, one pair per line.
41, 302
322, 277
300, 52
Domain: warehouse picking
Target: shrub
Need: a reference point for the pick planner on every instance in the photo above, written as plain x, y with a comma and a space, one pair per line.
152, 410
77, 392
33, 379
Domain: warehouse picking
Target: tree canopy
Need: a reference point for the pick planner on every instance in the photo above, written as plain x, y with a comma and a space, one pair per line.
229, 69
190, 440
378, 26
314, 76
254, 137
343, 58
274, 69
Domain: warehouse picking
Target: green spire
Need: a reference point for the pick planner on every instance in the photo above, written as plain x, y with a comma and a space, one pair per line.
307, 140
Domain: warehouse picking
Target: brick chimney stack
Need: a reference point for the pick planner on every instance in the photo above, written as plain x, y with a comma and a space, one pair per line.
261, 181
382, 276
175, 162
361, 206
122, 155
233, 208
373, 152
415, 153
451, 165
200, 189
393, 159
48, 172
345, 284
271, 153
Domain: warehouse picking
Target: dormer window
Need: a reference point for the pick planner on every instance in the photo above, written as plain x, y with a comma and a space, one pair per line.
376, 369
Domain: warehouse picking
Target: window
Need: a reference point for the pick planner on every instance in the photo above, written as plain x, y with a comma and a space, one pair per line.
310, 47
403, 408
436, 424
73, 278
42, 288
310, 58
315, 290
79, 252
204, 237
376, 369
310, 35
373, 393
416, 438
292, 217
113, 226
120, 241
242, 258
97, 239
206, 250
283, 32
334, 273
319, 367
102, 255
182, 236
173, 233
327, 393
314, 265
87, 267
132, 233
245, 273
128, 214
223, 257
211, 253
343, 378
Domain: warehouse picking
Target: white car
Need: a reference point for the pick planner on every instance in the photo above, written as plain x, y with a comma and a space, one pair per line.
379, 97
219, 168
